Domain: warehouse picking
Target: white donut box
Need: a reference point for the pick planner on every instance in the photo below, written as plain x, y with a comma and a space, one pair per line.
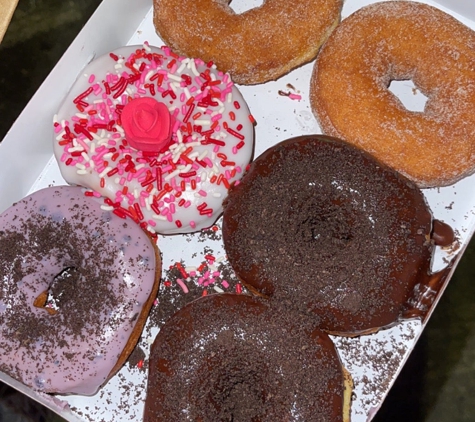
126, 22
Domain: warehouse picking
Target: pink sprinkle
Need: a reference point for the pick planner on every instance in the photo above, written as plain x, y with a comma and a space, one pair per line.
225, 284
192, 224
295, 97
202, 192
91, 78
182, 285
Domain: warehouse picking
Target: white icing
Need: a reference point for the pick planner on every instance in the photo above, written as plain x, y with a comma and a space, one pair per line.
212, 167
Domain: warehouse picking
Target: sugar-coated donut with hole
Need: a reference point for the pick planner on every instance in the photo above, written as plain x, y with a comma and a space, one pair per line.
76, 286
401, 40
256, 46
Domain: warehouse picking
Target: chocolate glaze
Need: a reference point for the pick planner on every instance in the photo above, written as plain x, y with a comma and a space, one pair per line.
442, 234
232, 358
324, 224
425, 293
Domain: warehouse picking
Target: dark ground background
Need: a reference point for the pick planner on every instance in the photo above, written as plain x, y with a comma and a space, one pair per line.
438, 382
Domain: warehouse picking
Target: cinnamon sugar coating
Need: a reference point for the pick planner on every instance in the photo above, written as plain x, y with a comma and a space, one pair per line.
401, 40
256, 46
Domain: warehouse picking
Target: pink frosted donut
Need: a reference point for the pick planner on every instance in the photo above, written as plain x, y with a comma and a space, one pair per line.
76, 286
162, 137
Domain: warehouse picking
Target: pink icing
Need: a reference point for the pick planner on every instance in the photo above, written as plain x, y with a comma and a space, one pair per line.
74, 350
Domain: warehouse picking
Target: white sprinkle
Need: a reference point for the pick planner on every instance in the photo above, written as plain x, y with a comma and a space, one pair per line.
105, 171
218, 289
172, 174
193, 68
203, 155
182, 67
179, 135
81, 172
202, 122
159, 217
174, 77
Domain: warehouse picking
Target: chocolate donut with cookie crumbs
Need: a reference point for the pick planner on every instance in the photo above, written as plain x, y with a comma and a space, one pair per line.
232, 357
326, 228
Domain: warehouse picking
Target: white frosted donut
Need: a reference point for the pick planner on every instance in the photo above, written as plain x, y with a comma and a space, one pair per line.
162, 137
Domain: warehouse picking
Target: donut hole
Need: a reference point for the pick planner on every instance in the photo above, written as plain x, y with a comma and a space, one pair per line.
240, 393
411, 97
240, 6
323, 221
60, 289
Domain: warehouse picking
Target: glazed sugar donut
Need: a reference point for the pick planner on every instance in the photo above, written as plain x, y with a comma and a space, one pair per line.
401, 40
77, 284
322, 225
257, 46
227, 357
162, 137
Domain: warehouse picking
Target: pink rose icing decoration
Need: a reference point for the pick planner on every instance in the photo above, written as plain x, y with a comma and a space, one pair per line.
147, 124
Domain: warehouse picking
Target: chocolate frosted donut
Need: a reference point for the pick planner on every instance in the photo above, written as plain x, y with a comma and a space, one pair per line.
230, 358
327, 228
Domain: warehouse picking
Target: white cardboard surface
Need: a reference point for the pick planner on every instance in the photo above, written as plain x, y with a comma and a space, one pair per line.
120, 22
